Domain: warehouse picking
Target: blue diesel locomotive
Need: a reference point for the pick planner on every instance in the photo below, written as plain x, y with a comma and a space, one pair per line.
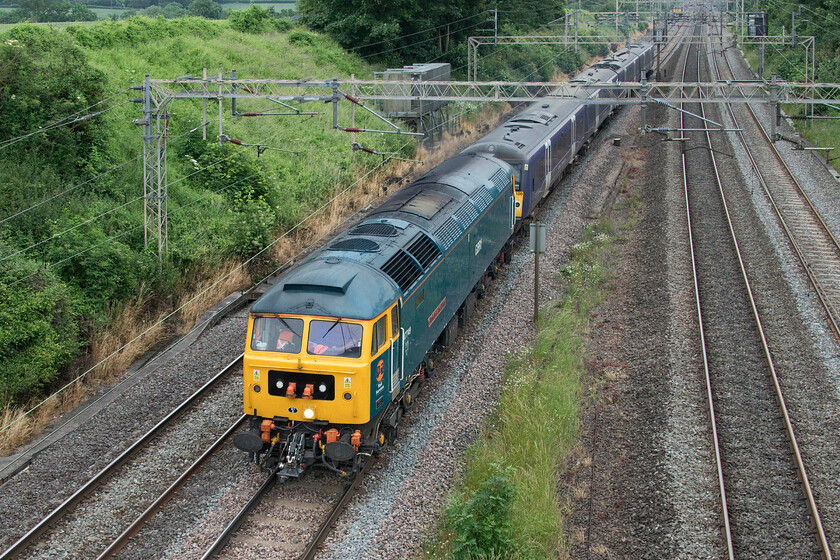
338, 347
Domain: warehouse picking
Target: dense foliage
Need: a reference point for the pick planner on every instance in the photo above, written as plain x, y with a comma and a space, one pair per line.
404, 31
44, 74
47, 11
817, 18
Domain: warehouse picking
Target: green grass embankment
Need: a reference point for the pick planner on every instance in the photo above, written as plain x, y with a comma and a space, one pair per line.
508, 504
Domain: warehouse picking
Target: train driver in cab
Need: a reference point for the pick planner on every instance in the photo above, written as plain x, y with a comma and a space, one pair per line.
335, 338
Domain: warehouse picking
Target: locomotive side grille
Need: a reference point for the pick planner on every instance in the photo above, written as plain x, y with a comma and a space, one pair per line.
424, 250
500, 180
361, 245
482, 199
377, 230
449, 233
466, 214
402, 269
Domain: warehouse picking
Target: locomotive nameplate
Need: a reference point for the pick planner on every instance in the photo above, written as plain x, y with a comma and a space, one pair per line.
437, 311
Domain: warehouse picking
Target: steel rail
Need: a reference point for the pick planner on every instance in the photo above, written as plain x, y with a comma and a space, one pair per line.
328, 523
797, 245
122, 540
800, 465
727, 528
86, 489
237, 521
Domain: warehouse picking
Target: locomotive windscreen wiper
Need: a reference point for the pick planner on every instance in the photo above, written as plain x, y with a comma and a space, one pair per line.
282, 320
337, 321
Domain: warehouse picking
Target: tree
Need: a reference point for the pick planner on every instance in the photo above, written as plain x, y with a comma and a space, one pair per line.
396, 30
45, 77
205, 8
173, 10
411, 31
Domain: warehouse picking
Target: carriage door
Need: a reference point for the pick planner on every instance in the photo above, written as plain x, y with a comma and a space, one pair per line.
547, 166
397, 349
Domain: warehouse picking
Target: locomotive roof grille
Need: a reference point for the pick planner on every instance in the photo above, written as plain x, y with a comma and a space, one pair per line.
377, 230
466, 214
482, 199
359, 245
402, 269
500, 180
424, 250
449, 232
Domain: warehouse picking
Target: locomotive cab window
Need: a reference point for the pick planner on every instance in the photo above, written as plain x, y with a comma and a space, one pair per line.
277, 334
395, 321
335, 338
379, 337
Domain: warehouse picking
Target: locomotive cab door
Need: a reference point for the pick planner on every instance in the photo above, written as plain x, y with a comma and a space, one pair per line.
397, 373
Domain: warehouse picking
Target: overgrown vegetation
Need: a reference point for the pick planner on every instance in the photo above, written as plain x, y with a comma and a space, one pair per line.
508, 505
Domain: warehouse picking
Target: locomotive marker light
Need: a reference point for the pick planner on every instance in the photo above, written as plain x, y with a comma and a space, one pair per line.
536, 242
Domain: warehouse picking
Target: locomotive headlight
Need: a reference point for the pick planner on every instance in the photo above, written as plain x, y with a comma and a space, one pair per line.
279, 384
322, 388
309, 414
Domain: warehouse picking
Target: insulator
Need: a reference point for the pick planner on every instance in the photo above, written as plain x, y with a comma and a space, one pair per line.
137, 100
249, 90
235, 141
352, 99
353, 130
250, 114
366, 149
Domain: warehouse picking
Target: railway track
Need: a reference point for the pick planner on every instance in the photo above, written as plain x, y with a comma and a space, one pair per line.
111, 470
291, 521
816, 247
758, 475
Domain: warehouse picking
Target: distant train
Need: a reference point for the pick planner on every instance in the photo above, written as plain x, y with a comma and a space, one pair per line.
338, 347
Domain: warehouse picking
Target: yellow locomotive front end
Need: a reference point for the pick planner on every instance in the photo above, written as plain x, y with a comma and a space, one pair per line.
307, 369
322, 362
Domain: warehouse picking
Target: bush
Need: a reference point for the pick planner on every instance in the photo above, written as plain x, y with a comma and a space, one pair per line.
283, 24
205, 8
173, 10
252, 20
480, 523
40, 334
301, 38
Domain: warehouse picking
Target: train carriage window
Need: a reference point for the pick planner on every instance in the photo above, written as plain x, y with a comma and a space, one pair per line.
277, 334
395, 321
379, 335
335, 338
